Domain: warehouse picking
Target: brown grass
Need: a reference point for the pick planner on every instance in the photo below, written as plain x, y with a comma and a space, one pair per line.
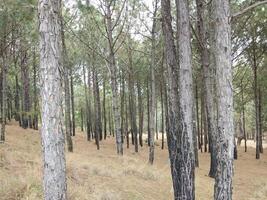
101, 175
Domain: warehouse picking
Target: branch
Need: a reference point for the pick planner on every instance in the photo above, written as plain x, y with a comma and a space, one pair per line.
238, 14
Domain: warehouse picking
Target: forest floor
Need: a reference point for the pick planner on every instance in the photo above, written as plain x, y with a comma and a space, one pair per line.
102, 175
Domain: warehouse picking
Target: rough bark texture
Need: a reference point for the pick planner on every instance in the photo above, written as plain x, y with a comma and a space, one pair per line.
51, 69
207, 71
224, 93
179, 131
187, 160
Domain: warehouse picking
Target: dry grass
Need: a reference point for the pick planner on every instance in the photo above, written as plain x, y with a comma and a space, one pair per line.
101, 175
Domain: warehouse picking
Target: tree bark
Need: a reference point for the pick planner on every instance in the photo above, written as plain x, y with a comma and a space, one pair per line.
54, 177
104, 109
224, 92
66, 89
35, 95
208, 77
152, 86
73, 124
140, 113
179, 134
113, 76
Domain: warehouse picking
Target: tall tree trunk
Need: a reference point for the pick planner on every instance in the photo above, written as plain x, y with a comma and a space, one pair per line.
82, 119
104, 109
180, 102
54, 178
66, 89
224, 92
72, 103
187, 160
122, 105
243, 115
97, 108
35, 95
162, 115
3, 98
17, 100
140, 113
26, 89
197, 118
208, 77
148, 113
152, 103
113, 76
256, 101
87, 109
260, 120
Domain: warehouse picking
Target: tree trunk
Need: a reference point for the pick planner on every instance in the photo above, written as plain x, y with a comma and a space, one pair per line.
208, 77
152, 87
35, 95
26, 89
260, 121
122, 105
162, 116
114, 84
87, 109
81, 119
256, 101
72, 103
224, 92
243, 116
97, 110
180, 102
54, 178
3, 98
148, 113
66, 89
104, 109
140, 113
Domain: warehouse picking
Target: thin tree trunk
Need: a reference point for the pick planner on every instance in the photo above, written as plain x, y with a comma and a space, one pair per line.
243, 116
35, 95
104, 109
72, 103
97, 108
81, 119
140, 113
153, 103
88, 128
66, 89
114, 84
3, 99
162, 116
260, 121
148, 113
256, 101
